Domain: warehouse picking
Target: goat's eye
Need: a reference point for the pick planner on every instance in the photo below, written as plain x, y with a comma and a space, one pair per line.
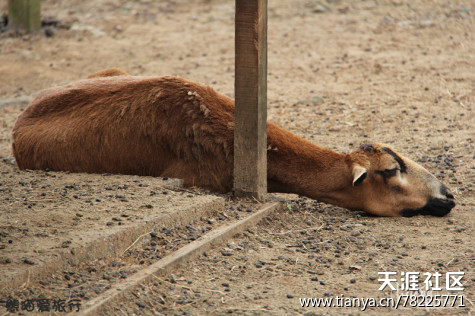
390, 172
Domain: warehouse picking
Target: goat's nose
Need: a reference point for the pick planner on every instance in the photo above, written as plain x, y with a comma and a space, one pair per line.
446, 192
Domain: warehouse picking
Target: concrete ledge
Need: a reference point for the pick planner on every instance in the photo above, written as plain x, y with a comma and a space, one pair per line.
111, 241
170, 262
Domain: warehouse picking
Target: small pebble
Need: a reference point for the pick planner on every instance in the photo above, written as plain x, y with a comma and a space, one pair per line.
355, 233
28, 261
6, 260
226, 253
49, 32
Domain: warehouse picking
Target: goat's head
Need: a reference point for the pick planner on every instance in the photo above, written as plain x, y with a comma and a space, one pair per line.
388, 184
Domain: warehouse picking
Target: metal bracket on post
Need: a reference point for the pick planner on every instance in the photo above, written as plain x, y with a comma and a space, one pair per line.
250, 134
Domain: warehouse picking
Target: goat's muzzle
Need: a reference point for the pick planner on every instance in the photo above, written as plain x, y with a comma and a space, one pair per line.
434, 206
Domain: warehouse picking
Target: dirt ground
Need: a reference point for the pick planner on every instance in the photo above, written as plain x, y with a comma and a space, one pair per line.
340, 73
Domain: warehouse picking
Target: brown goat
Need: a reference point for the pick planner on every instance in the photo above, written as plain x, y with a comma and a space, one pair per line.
165, 126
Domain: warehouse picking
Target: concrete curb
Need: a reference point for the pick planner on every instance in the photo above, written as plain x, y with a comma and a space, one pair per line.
168, 263
112, 244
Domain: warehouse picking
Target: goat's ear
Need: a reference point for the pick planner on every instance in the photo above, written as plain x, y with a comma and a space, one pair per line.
359, 174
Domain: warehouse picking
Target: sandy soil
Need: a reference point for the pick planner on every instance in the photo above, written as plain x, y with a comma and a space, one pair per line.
341, 73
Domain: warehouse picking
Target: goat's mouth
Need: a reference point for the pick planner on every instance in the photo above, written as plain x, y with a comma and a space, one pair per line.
434, 207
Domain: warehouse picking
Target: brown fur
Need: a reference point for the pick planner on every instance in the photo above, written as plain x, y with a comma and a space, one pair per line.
110, 72
164, 126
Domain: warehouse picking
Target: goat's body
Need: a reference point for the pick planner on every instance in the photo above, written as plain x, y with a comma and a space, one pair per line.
146, 126
167, 126
130, 125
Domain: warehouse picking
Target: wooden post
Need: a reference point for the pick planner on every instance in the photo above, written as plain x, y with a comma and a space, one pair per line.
250, 134
24, 14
